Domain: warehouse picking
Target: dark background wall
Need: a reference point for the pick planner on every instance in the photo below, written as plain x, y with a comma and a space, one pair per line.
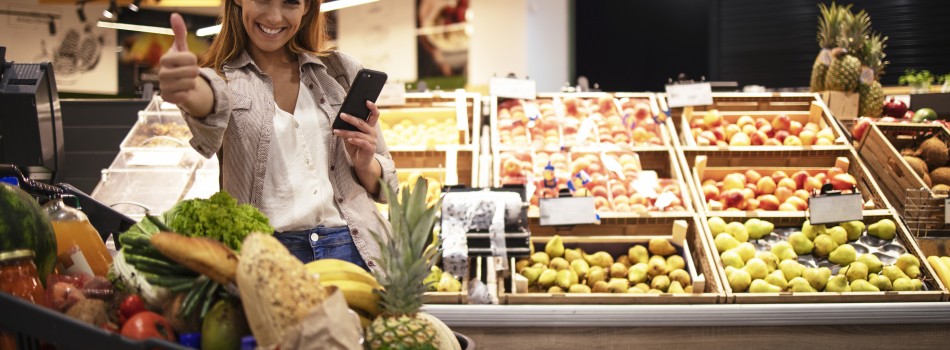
770, 43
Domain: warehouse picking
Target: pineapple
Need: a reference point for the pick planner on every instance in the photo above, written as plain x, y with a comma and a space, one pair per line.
829, 28
845, 68
872, 95
405, 263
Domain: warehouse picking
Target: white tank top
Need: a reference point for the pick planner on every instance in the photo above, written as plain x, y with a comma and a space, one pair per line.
297, 190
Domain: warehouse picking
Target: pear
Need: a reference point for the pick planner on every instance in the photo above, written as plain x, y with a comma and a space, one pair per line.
432, 280
547, 278
739, 281
581, 268
824, 245
800, 285
572, 254
838, 234
817, 277
559, 264
884, 229
554, 247
838, 284
579, 288
638, 254
688, 289
893, 273
594, 276
637, 273
777, 278
674, 262
624, 260
770, 260
863, 286
758, 228
791, 269
619, 285
657, 266
643, 286
800, 243
661, 246
881, 282
602, 259
660, 282
600, 287
519, 266
731, 258
618, 270
566, 278
746, 251
730, 270
681, 276
872, 262
855, 271
843, 255
917, 284
675, 288
636, 290
854, 229
541, 258
784, 251
909, 264
654, 291
738, 231
756, 268
716, 225
903, 284
532, 274
761, 286
812, 231
540, 266
556, 290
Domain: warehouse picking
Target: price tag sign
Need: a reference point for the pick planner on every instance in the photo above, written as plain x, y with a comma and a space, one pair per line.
682, 95
946, 211
567, 211
513, 88
393, 94
832, 209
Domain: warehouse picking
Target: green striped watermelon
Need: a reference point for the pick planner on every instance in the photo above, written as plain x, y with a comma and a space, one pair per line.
24, 225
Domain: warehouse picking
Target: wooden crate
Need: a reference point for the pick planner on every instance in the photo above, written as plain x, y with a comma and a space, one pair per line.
616, 235
922, 209
459, 162
936, 291
750, 102
720, 162
815, 115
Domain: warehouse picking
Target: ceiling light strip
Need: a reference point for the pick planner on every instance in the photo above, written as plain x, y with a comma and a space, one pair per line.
135, 28
339, 4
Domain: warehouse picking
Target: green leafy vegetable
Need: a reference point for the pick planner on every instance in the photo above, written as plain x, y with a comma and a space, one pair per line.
220, 218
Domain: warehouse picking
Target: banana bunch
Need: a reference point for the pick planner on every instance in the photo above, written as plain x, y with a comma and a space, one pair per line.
356, 284
439, 281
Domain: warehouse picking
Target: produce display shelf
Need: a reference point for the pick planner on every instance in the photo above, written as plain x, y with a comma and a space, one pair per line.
921, 208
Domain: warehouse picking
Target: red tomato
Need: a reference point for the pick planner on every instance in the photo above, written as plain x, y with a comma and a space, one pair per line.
146, 325
131, 305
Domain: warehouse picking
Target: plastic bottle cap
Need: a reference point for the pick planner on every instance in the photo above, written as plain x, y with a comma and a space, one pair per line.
248, 343
191, 340
10, 180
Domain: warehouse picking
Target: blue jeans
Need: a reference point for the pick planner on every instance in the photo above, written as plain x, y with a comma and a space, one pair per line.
322, 243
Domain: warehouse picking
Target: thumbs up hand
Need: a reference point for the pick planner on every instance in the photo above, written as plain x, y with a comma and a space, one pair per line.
178, 68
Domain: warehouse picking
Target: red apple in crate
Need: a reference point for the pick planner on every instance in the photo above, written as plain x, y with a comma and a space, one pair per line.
807, 137
740, 139
641, 111
697, 123
709, 182
783, 193
745, 120
767, 129
781, 135
768, 202
622, 207
600, 203
843, 181
860, 127
621, 200
638, 199
895, 108
617, 189
712, 118
795, 128
827, 134
753, 186
752, 176
800, 204
812, 184
731, 130
792, 140
778, 176
801, 194
719, 132
710, 192
765, 185
799, 178
758, 138
733, 199
782, 122
749, 129
599, 191
722, 143
773, 142
733, 181
761, 123
788, 183
748, 193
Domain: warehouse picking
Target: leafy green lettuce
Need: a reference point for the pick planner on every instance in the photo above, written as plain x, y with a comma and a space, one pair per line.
220, 218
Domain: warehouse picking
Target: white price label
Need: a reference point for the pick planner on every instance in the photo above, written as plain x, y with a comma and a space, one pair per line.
567, 211
513, 88
682, 95
946, 211
832, 209
157, 158
393, 94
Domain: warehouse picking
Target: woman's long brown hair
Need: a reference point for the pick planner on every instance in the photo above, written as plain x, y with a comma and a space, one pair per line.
232, 40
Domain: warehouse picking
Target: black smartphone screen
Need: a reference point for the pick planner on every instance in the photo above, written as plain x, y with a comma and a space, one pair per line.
366, 87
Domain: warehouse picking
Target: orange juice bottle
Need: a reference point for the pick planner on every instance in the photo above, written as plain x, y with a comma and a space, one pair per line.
79, 246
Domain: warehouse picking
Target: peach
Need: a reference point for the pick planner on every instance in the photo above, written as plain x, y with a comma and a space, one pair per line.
599, 191
752, 204
621, 199
807, 137
622, 207
802, 194
758, 138
812, 184
740, 139
749, 129
768, 130
821, 177
753, 187
734, 181
778, 176
734, 199
800, 178
722, 143
709, 182
834, 171
800, 204
618, 190
748, 193
781, 135
795, 128
787, 207
745, 120
641, 111
731, 130
826, 133
782, 122
638, 208
768, 202
752, 176
788, 183
674, 189
600, 203
638, 199
792, 140
708, 135
698, 123
719, 132
823, 142
712, 118
773, 142
843, 182
783, 193
812, 127
765, 185
762, 122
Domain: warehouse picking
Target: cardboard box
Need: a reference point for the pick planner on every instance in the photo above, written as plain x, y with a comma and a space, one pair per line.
843, 105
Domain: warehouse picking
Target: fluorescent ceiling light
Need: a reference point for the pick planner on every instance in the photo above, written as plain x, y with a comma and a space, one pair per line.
338, 4
135, 28
206, 31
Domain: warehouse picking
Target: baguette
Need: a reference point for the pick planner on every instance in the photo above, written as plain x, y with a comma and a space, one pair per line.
276, 290
203, 255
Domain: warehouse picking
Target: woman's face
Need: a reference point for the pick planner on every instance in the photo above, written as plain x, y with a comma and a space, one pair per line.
271, 23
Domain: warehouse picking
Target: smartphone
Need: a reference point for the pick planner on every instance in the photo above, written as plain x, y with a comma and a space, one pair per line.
366, 87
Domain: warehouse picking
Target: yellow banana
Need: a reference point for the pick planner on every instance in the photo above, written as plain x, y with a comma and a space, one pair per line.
326, 266
358, 295
365, 321
348, 276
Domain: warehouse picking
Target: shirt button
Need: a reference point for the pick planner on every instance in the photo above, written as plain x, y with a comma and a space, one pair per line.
370, 264
310, 86
339, 199
323, 100
356, 231
314, 237
332, 167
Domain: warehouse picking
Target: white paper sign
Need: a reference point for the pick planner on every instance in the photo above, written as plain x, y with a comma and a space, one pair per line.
832, 209
461, 110
946, 210
146, 158
682, 95
513, 88
567, 211
393, 94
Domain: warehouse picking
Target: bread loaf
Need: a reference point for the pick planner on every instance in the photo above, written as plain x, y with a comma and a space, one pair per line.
203, 255
276, 289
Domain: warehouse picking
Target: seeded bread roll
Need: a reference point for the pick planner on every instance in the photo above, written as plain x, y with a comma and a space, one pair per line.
203, 255
276, 289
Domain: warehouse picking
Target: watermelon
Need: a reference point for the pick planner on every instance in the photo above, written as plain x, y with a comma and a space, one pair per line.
24, 225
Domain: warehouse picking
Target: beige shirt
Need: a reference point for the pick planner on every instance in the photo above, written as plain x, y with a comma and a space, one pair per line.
302, 196
241, 128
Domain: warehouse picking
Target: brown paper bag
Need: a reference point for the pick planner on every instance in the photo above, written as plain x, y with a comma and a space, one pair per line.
331, 325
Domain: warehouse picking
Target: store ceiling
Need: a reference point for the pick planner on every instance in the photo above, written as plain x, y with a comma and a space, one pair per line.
196, 7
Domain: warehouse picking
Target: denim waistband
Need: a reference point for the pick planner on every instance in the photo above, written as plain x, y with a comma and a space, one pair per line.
319, 230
